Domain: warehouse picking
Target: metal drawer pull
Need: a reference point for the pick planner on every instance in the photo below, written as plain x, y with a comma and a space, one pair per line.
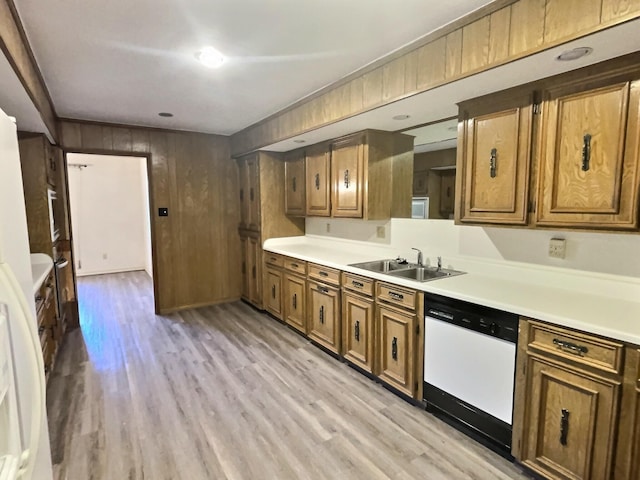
274, 259
396, 296
322, 314
346, 179
571, 347
317, 181
586, 152
493, 162
394, 348
273, 291
294, 265
294, 184
323, 289
564, 427
295, 301
323, 274
356, 332
355, 283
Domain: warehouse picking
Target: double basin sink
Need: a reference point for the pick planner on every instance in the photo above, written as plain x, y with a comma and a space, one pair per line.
403, 269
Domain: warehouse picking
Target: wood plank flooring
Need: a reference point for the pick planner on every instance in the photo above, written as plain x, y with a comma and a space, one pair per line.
228, 393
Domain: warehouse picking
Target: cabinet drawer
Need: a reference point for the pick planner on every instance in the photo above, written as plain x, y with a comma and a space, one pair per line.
357, 284
397, 295
273, 259
324, 274
580, 347
294, 265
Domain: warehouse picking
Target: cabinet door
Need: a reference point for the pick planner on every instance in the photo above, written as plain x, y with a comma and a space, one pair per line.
253, 175
589, 157
243, 182
244, 249
358, 332
254, 264
347, 165
397, 349
495, 157
273, 292
447, 193
324, 316
294, 302
51, 164
294, 198
318, 189
570, 422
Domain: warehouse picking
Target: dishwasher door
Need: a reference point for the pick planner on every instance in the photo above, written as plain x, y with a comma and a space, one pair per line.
476, 368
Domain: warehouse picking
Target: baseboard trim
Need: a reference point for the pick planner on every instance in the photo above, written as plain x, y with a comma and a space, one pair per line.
166, 311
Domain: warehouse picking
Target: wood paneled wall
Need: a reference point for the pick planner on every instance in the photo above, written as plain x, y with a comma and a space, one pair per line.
502, 32
197, 253
16, 48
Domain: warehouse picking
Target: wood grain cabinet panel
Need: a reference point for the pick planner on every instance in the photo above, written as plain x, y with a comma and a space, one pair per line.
571, 422
273, 292
294, 193
324, 325
494, 159
318, 188
243, 182
244, 267
588, 169
397, 348
566, 18
358, 333
294, 302
254, 270
475, 45
347, 165
614, 9
253, 186
527, 26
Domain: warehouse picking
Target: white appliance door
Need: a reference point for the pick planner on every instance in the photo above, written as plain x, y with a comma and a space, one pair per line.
473, 367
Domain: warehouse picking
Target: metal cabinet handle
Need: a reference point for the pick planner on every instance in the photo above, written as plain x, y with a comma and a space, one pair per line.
394, 348
396, 296
294, 184
586, 152
323, 274
493, 162
274, 259
579, 350
295, 301
322, 314
273, 291
317, 181
564, 427
357, 284
356, 332
346, 179
294, 265
323, 289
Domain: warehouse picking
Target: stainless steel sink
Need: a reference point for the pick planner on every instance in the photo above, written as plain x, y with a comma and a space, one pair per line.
424, 274
383, 266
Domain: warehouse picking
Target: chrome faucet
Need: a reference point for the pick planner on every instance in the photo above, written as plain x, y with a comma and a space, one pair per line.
420, 264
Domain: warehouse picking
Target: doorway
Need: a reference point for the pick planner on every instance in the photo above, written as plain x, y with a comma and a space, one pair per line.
110, 216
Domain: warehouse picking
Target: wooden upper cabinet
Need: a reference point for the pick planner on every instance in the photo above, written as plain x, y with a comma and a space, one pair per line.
347, 172
589, 156
318, 188
493, 159
294, 193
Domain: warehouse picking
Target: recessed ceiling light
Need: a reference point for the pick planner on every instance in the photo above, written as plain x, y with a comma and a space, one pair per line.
401, 117
210, 57
299, 140
574, 54
166, 114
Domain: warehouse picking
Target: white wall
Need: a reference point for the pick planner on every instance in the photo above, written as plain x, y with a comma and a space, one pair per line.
617, 254
109, 213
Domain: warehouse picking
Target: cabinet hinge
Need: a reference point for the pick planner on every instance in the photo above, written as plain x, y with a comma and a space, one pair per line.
537, 109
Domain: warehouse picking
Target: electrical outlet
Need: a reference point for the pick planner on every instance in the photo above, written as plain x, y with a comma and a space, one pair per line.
557, 247
328, 227
380, 232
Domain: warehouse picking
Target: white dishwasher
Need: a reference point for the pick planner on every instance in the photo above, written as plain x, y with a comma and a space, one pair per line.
469, 366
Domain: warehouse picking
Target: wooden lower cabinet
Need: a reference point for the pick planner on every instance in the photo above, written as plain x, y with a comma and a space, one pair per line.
396, 355
251, 268
570, 422
324, 316
273, 292
358, 338
294, 302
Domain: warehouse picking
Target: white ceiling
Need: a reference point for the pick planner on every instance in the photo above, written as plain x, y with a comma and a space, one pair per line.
440, 103
126, 60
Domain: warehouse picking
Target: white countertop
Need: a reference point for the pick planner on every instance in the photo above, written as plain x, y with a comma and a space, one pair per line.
41, 265
606, 305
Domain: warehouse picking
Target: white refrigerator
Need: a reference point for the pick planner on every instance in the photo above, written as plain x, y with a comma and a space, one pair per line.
24, 439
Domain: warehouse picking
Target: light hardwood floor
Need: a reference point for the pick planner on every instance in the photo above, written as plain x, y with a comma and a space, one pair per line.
228, 393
